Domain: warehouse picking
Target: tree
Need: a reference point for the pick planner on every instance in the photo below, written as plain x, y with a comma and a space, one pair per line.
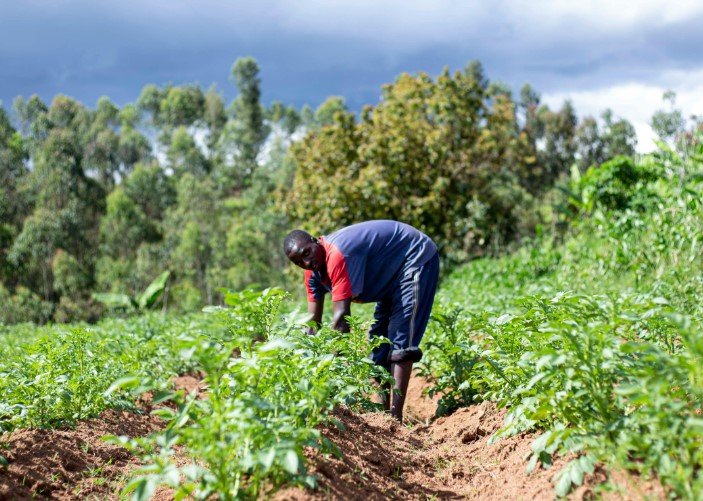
184, 155
529, 104
589, 150
15, 203
438, 154
149, 102
246, 131
192, 232
669, 123
559, 138
324, 114
70, 277
215, 118
67, 204
619, 136
123, 230
152, 190
133, 147
182, 106
596, 145
124, 226
106, 114
102, 157
33, 249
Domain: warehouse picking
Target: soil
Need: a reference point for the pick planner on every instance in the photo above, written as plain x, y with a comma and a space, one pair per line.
71, 463
447, 457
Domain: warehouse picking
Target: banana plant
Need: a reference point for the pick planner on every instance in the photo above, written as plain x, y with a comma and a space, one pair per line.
141, 302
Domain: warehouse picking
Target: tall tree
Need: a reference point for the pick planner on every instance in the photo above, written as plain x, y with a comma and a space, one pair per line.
14, 202
619, 136
246, 131
432, 153
215, 118
324, 114
669, 123
590, 148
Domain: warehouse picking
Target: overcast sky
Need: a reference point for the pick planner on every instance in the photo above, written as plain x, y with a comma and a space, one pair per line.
602, 53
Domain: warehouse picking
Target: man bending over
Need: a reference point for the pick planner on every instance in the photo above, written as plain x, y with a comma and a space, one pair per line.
386, 262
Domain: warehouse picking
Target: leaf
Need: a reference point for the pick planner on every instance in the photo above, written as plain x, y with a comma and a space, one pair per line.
129, 382
504, 319
310, 481
291, 462
145, 490
266, 458
576, 473
587, 463
276, 344
153, 291
162, 396
166, 414
4, 462
532, 464
563, 484
142, 487
112, 300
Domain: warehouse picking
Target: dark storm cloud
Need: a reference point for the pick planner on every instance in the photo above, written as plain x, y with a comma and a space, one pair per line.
309, 50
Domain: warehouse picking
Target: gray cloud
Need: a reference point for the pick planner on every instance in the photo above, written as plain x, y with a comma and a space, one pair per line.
309, 50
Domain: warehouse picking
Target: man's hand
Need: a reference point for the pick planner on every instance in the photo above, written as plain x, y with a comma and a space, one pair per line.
315, 309
340, 311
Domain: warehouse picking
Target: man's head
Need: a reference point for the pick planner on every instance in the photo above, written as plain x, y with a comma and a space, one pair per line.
304, 250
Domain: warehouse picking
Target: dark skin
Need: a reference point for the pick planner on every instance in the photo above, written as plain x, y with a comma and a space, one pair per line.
311, 255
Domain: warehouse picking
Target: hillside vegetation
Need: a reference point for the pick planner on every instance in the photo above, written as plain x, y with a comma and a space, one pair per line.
593, 336
97, 202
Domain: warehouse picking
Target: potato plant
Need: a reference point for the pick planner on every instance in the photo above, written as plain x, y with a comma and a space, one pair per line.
594, 338
269, 388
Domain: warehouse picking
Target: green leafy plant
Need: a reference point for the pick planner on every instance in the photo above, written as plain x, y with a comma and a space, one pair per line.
147, 299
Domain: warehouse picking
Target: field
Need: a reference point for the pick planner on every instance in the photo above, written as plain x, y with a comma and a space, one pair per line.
573, 366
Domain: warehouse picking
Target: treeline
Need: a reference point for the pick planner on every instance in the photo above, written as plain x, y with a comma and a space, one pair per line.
105, 199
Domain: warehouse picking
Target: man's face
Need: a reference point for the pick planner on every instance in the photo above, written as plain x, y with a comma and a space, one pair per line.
309, 256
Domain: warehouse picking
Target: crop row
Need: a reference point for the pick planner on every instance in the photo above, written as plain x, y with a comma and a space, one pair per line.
595, 338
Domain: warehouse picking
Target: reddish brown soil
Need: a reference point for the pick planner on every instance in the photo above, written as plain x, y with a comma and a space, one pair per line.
420, 407
447, 458
71, 464
77, 463
443, 458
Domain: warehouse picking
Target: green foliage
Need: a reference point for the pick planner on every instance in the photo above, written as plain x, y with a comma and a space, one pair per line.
614, 184
450, 365
70, 278
179, 181
124, 226
439, 154
142, 302
23, 306
246, 131
263, 406
595, 340
184, 156
596, 145
668, 124
55, 376
182, 106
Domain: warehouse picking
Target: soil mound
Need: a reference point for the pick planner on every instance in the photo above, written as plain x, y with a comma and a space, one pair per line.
448, 458
71, 463
420, 408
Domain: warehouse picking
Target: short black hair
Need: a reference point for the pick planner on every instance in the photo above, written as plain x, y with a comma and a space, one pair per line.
296, 237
